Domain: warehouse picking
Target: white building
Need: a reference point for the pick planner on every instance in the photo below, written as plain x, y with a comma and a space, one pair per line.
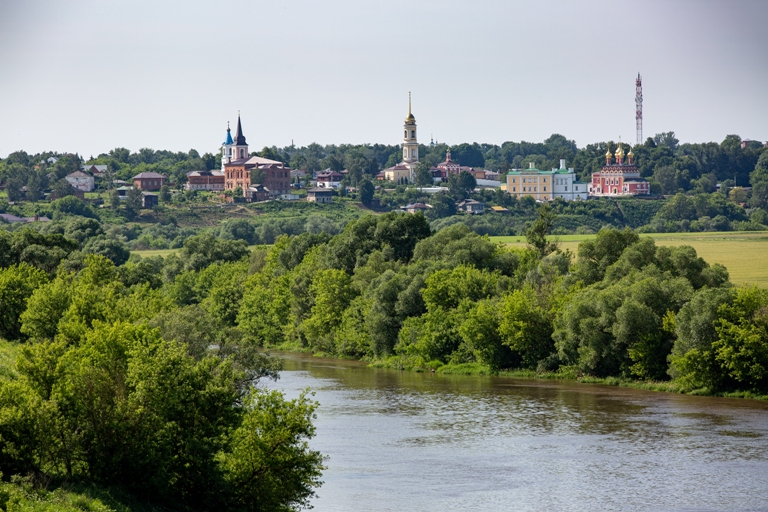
80, 181
565, 184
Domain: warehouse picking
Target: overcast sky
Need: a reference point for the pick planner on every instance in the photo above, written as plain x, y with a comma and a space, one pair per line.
90, 75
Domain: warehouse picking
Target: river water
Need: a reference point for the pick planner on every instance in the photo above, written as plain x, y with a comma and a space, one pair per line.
420, 441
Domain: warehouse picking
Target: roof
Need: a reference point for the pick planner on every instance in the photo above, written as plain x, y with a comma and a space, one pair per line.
97, 167
78, 174
258, 160
239, 137
417, 206
228, 140
499, 209
469, 201
317, 190
330, 174
148, 194
205, 173
7, 217
531, 170
148, 176
398, 167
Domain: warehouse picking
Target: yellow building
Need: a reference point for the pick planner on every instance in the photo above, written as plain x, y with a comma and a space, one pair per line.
530, 182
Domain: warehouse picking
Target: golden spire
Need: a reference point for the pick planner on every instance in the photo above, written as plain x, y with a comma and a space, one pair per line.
410, 119
620, 150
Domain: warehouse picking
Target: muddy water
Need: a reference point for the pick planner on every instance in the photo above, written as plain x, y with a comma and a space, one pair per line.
416, 441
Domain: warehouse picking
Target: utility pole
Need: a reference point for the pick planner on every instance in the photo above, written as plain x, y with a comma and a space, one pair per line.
639, 108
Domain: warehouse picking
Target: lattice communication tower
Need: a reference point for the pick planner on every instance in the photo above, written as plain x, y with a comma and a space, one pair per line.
639, 108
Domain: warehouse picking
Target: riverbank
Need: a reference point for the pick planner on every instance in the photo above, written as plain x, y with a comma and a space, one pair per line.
565, 374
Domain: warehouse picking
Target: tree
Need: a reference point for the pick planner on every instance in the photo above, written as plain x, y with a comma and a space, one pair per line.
257, 176
423, 175
461, 185
269, 464
366, 192
17, 283
537, 233
526, 327
114, 250
443, 206
165, 194
133, 202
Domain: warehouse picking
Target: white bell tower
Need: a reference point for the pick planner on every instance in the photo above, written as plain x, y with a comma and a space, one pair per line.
410, 142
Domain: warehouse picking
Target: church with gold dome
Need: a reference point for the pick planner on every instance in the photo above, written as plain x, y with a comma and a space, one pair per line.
619, 176
403, 172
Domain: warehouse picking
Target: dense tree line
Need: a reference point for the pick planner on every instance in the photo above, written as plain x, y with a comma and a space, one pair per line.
131, 377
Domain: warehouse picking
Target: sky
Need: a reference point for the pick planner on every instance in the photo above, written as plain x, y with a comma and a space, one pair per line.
87, 76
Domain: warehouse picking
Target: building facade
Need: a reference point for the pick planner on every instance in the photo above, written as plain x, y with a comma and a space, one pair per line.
329, 179
320, 195
546, 185
530, 182
205, 180
275, 176
149, 181
566, 186
618, 178
80, 181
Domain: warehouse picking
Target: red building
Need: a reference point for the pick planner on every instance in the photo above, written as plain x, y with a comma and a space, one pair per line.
149, 181
619, 178
442, 170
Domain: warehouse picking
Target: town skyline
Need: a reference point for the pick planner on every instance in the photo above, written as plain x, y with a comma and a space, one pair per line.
335, 74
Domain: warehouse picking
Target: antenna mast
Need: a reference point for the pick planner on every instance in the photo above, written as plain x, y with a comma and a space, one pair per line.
639, 108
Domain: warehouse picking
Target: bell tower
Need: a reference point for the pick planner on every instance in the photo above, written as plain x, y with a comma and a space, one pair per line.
410, 143
240, 148
226, 148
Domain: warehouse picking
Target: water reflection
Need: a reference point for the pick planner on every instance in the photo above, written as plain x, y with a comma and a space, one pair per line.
404, 441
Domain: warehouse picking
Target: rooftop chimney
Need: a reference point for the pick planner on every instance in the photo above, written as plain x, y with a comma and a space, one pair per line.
562, 163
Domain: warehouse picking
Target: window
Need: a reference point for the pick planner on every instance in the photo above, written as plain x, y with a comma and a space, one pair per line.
413, 134
566, 188
535, 189
406, 134
514, 189
545, 189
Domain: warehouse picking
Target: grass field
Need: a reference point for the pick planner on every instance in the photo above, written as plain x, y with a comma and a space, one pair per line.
744, 253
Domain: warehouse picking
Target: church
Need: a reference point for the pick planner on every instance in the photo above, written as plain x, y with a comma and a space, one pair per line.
403, 172
620, 178
237, 165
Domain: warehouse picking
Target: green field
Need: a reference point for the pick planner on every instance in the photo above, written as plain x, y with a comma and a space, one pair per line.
744, 253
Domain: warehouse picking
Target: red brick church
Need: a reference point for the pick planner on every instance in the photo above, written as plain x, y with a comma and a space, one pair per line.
620, 178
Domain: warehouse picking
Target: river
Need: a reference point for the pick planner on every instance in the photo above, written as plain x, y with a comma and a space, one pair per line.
420, 441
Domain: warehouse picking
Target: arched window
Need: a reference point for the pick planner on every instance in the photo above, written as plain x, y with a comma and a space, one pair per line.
406, 134
413, 134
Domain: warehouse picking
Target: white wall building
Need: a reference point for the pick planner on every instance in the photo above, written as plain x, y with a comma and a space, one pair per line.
565, 184
80, 181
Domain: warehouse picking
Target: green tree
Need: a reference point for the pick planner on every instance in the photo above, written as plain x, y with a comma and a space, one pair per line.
423, 175
165, 193
537, 233
269, 464
526, 327
461, 185
366, 192
133, 202
17, 283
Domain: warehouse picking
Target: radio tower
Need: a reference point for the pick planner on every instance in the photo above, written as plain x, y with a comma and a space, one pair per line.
639, 108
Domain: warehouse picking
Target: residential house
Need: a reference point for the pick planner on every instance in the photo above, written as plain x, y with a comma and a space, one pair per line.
148, 200
416, 207
471, 206
80, 181
149, 181
205, 180
329, 179
320, 195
